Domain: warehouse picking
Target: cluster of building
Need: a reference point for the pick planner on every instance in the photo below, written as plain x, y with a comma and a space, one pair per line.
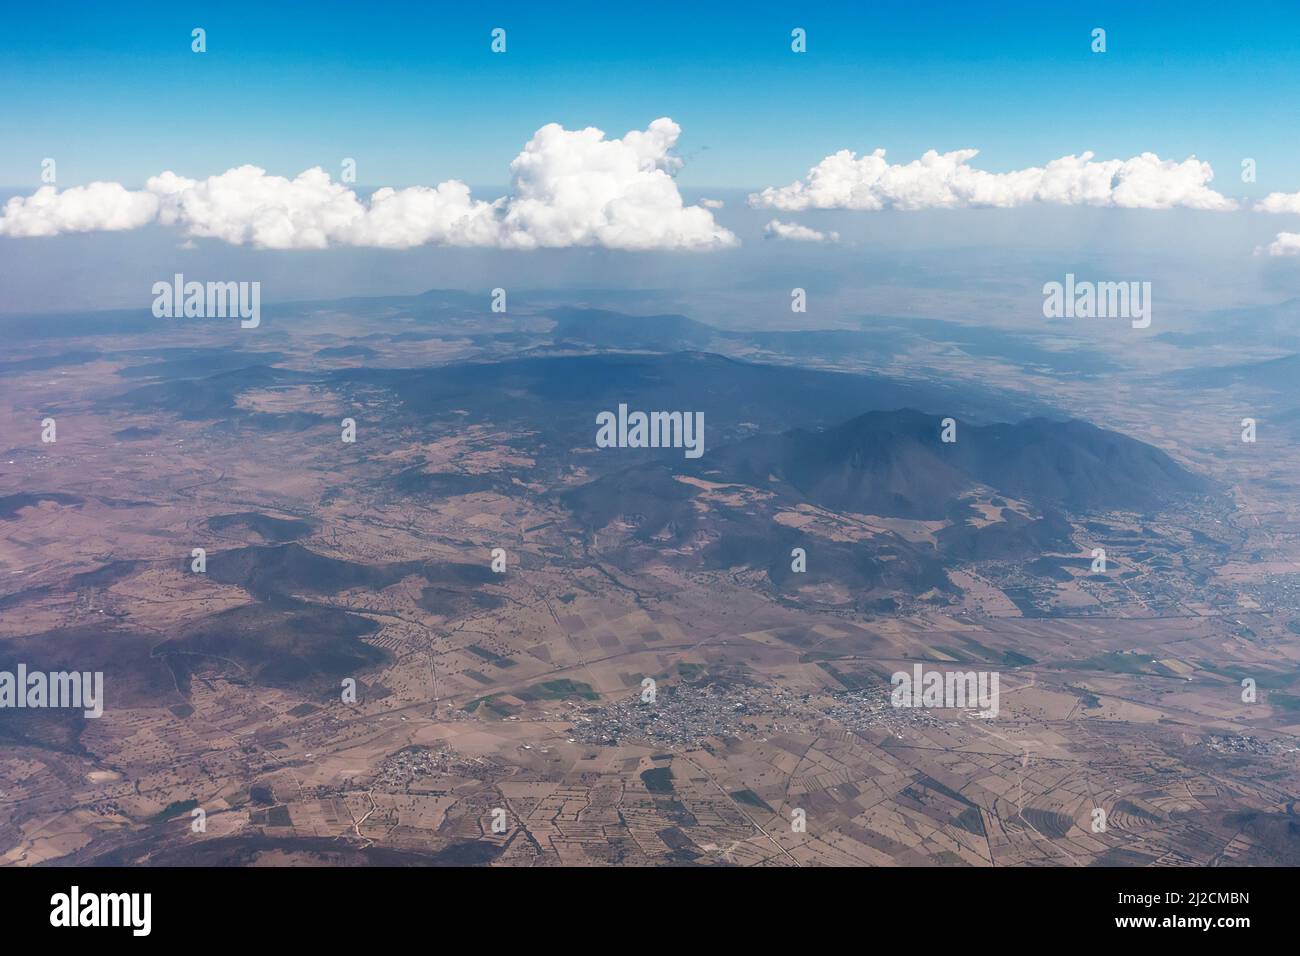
682, 714
686, 715
406, 766
1248, 744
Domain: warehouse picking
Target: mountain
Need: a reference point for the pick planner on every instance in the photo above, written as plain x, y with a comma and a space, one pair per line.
271, 571
601, 328
557, 398
285, 637
1076, 465
999, 492
895, 464
1276, 374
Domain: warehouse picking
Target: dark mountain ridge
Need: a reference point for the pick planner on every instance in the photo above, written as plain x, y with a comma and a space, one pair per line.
895, 464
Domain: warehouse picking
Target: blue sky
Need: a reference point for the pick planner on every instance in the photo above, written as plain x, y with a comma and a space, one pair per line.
413, 93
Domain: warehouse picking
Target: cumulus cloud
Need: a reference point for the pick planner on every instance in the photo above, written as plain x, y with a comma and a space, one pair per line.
1286, 244
99, 206
776, 229
712, 203
948, 181
569, 188
578, 188
247, 206
1279, 202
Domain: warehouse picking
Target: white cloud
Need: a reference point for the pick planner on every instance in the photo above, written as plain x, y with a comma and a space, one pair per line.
776, 229
712, 203
1286, 244
98, 206
1279, 202
578, 188
247, 206
947, 181
569, 188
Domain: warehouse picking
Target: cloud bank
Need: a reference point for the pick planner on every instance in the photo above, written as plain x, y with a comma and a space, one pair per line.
947, 181
569, 188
